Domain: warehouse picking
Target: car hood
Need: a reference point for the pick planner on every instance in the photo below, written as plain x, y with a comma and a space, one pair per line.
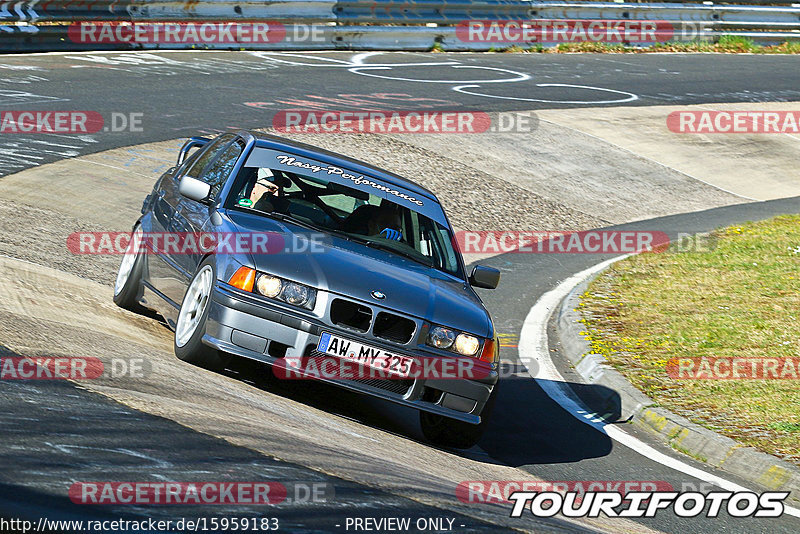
354, 270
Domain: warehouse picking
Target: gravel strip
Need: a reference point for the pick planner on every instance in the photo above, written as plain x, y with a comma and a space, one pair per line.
40, 236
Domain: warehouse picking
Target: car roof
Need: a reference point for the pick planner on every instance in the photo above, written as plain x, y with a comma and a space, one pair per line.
265, 140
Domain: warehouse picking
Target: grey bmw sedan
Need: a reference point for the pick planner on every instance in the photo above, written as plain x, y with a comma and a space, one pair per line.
322, 267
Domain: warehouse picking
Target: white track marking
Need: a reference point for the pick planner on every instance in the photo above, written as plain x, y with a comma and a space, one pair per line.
355, 61
630, 97
356, 65
113, 167
535, 356
518, 76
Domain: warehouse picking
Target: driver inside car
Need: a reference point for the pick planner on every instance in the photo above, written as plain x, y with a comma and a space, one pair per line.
370, 220
268, 195
386, 224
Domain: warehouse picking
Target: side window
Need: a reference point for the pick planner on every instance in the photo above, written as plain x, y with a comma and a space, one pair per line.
221, 168
450, 260
208, 155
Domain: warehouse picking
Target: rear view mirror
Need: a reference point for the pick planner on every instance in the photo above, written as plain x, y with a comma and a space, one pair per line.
194, 189
484, 277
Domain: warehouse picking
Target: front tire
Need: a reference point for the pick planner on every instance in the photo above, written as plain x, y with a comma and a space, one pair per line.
128, 285
191, 324
446, 432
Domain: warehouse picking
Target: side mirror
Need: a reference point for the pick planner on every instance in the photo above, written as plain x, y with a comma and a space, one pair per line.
484, 277
194, 189
194, 142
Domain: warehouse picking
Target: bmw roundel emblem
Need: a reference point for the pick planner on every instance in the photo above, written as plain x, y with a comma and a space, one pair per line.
378, 295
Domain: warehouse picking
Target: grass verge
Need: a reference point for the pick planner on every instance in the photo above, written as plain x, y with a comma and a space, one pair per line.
740, 299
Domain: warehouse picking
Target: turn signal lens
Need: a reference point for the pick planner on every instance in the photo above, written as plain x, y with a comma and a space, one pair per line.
487, 354
243, 278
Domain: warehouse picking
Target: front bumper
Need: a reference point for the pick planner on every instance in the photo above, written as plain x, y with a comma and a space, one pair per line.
246, 326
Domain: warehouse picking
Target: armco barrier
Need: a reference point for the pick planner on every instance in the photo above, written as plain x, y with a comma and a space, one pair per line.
64, 11
377, 25
292, 10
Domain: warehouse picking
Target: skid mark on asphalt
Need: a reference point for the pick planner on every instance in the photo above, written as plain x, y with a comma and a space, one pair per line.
69, 449
628, 97
21, 152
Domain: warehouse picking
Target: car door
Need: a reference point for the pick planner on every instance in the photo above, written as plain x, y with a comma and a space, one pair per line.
157, 224
165, 273
192, 217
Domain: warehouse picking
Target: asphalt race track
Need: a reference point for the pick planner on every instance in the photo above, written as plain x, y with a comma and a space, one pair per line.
181, 93
57, 433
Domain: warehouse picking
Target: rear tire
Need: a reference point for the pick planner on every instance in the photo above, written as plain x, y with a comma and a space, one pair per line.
128, 285
191, 325
446, 432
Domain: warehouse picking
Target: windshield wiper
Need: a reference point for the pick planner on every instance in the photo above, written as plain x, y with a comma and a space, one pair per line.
387, 248
289, 218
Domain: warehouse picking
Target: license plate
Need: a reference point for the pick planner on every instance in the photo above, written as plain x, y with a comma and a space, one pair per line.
384, 361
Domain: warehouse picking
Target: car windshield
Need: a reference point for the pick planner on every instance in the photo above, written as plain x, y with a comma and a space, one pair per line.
352, 213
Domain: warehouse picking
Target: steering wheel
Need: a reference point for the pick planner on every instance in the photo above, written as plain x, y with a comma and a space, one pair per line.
309, 195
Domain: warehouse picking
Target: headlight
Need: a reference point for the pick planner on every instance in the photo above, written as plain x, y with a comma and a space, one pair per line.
269, 286
441, 338
454, 341
467, 345
295, 294
289, 292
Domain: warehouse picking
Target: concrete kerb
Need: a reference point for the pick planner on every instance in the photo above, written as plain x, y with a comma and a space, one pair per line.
764, 470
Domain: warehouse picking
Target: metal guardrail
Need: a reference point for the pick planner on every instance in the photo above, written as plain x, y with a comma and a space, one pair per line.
37, 25
448, 13
225, 10
64, 11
